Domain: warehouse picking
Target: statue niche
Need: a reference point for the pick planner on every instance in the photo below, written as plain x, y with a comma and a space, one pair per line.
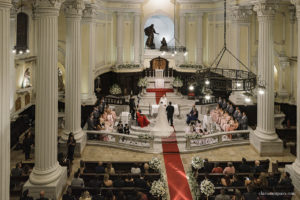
150, 31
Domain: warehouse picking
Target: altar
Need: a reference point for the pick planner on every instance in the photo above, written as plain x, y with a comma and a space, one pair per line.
154, 109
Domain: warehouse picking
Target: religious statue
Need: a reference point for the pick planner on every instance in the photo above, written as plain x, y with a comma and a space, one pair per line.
150, 31
164, 46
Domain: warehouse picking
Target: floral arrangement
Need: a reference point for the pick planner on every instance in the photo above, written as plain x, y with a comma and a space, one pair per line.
115, 89
193, 183
155, 164
127, 66
145, 136
143, 82
177, 82
195, 136
197, 162
191, 66
158, 189
207, 187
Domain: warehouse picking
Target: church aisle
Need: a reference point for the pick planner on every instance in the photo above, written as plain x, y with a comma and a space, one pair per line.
177, 181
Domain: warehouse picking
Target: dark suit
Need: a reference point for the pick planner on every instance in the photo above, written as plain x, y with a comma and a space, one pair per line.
132, 107
244, 123
170, 113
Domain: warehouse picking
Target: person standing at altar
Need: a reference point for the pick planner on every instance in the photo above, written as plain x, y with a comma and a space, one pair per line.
132, 107
164, 100
170, 113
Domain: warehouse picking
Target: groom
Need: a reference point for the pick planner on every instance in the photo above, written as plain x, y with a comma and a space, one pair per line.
170, 112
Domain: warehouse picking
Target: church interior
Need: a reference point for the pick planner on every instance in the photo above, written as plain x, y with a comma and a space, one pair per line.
149, 99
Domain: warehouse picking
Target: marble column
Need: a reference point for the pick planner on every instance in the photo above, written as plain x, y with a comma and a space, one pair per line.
73, 13
182, 28
199, 58
5, 52
120, 17
294, 169
137, 28
292, 53
89, 18
283, 64
47, 174
13, 26
264, 139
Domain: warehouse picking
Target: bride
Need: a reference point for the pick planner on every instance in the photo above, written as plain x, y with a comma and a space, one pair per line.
162, 127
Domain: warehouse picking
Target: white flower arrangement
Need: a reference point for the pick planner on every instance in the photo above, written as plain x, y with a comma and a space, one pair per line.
145, 136
177, 82
127, 66
195, 136
207, 187
191, 66
155, 164
115, 89
197, 162
143, 82
158, 189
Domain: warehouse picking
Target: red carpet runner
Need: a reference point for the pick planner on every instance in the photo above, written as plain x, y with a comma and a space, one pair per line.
178, 185
159, 92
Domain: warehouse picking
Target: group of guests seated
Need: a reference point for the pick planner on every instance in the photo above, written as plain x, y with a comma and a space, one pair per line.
228, 118
102, 117
196, 127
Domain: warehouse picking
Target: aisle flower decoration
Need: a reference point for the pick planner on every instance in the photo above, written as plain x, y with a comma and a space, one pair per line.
145, 136
158, 189
143, 82
177, 83
155, 164
207, 187
195, 136
197, 162
115, 89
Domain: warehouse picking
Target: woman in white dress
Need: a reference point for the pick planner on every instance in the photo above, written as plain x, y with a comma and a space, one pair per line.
162, 127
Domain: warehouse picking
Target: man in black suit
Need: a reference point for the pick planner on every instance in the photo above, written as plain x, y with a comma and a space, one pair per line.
132, 107
170, 112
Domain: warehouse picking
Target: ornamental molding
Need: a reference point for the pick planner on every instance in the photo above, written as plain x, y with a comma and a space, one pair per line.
44, 7
265, 8
90, 11
240, 13
74, 8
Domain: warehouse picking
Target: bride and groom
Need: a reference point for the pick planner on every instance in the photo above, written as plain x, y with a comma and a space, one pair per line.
162, 127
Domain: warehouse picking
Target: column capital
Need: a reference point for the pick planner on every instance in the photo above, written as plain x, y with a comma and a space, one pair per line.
5, 3
90, 11
73, 9
47, 7
265, 9
240, 14
297, 5
292, 12
13, 10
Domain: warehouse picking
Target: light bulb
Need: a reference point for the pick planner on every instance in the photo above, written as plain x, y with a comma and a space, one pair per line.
261, 91
207, 82
163, 53
238, 85
191, 88
21, 52
27, 51
186, 53
14, 51
175, 52
247, 99
207, 97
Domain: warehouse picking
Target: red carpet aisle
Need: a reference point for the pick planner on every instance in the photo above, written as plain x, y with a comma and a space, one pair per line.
178, 185
159, 92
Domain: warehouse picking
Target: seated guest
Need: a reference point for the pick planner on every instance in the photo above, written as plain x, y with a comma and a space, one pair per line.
250, 194
237, 195
120, 127
121, 196
220, 102
222, 195
230, 109
91, 123
26, 197
272, 180
226, 181
244, 122
237, 114
81, 169
109, 169
142, 119
96, 115
68, 195
119, 182
17, 171
77, 181
141, 196
285, 179
127, 129
224, 104
110, 195
258, 167
244, 167
236, 182
140, 182
106, 181
42, 196
94, 182
85, 196
217, 169
229, 169
99, 168
135, 169
129, 182
193, 115
146, 168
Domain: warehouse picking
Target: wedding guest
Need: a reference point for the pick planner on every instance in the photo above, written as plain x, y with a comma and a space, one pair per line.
127, 129
250, 194
132, 107
82, 168
129, 182
193, 115
142, 119
25, 196
135, 169
77, 181
27, 142
140, 182
244, 167
91, 123
102, 105
85, 196
217, 169
285, 179
68, 195
244, 122
71, 143
120, 127
141, 196
222, 195
220, 103
237, 195
146, 168
230, 109
110, 195
17, 171
42, 196
237, 114
224, 104
109, 169
106, 181
258, 167
229, 169
99, 168
226, 181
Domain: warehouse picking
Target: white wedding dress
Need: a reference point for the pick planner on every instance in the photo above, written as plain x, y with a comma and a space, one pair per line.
162, 127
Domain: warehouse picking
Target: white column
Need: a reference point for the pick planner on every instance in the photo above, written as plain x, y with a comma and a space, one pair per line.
199, 59
120, 38
47, 174
182, 29
73, 13
265, 136
292, 52
137, 28
5, 52
283, 64
294, 169
13, 26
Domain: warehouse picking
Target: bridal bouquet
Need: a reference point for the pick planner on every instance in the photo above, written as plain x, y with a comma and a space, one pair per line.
177, 82
207, 187
197, 162
115, 89
155, 164
143, 82
158, 189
